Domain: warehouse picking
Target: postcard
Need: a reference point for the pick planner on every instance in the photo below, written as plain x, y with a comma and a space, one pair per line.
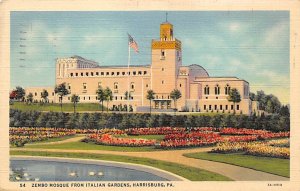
149, 95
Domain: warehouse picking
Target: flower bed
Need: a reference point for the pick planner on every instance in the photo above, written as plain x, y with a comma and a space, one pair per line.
279, 143
253, 148
107, 139
268, 151
20, 136
241, 131
190, 139
154, 131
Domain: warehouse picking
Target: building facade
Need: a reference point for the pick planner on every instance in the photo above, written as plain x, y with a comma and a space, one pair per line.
200, 92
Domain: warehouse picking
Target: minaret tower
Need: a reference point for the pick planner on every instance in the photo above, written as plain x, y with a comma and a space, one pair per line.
166, 60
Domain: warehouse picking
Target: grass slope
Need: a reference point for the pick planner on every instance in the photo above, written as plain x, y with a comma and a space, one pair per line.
55, 107
190, 173
276, 166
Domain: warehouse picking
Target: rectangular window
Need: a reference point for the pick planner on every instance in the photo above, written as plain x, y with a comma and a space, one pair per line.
216, 107
145, 72
116, 98
97, 73
84, 86
162, 54
204, 107
112, 73
118, 73
231, 107
102, 73
237, 107
123, 73
221, 107
209, 107
107, 73
134, 73
140, 72
92, 73
71, 74
81, 73
99, 84
87, 74
76, 74
52, 93
226, 107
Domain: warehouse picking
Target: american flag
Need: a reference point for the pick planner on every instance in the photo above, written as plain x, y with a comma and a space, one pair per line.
133, 44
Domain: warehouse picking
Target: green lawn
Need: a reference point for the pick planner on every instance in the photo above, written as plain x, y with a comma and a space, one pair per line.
158, 138
190, 173
276, 166
67, 107
91, 146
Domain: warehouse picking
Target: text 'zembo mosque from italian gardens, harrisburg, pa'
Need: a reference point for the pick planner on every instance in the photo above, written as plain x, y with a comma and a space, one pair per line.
199, 91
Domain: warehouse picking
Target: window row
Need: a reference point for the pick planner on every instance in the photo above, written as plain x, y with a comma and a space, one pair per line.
217, 90
220, 107
35, 93
96, 98
107, 73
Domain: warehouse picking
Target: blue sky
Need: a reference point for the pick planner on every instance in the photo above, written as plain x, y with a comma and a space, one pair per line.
252, 45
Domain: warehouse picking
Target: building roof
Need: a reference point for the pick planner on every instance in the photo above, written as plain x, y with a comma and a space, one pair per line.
122, 66
200, 71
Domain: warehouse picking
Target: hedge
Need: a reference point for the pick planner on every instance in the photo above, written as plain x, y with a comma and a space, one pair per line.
127, 120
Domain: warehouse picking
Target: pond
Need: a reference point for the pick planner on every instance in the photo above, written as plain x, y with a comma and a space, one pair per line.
24, 169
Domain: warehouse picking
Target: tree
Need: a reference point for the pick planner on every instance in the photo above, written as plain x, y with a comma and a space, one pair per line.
62, 91
150, 97
252, 96
20, 93
108, 95
44, 95
74, 100
13, 94
100, 95
175, 95
29, 97
284, 111
269, 103
234, 96
127, 97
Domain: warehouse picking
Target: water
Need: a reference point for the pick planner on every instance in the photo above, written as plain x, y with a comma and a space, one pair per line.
36, 170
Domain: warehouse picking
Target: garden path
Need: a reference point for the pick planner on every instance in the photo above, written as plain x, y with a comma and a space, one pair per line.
234, 172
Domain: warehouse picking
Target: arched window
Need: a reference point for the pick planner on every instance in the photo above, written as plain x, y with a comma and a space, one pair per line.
217, 90
116, 85
206, 90
227, 89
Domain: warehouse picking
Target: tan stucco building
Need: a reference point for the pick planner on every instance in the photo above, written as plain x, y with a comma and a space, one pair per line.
200, 92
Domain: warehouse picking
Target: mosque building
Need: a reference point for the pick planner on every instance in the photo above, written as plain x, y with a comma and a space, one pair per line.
200, 92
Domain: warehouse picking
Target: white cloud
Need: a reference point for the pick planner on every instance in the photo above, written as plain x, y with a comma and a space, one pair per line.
275, 35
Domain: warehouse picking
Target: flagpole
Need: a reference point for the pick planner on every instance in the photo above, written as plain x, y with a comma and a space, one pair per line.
128, 85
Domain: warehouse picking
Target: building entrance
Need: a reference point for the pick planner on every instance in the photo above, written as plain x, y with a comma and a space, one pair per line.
162, 104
